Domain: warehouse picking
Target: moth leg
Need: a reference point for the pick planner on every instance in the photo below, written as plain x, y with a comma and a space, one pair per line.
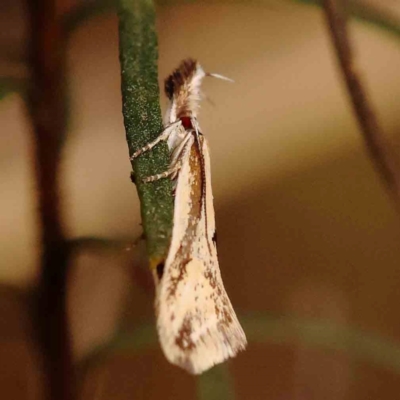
177, 160
182, 154
169, 172
180, 151
162, 137
195, 125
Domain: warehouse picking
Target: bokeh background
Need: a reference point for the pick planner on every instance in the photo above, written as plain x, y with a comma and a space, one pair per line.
308, 237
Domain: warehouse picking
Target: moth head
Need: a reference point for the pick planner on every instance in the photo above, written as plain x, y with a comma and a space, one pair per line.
187, 77
181, 80
182, 88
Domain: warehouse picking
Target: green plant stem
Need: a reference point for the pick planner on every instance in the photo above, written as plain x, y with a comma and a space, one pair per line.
143, 122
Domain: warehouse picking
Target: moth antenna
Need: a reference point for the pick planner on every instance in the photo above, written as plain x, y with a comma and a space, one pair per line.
218, 76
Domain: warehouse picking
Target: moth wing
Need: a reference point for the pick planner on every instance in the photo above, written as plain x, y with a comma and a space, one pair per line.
196, 323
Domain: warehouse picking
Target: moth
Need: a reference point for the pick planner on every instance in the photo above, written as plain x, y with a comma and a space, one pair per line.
196, 323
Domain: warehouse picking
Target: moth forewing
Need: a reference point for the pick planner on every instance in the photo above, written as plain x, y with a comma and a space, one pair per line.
196, 322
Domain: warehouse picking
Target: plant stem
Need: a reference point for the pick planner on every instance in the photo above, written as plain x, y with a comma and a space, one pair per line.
143, 123
47, 111
377, 146
362, 11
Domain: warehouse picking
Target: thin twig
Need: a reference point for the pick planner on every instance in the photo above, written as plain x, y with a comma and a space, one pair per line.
99, 243
374, 138
362, 11
263, 328
366, 12
47, 110
83, 11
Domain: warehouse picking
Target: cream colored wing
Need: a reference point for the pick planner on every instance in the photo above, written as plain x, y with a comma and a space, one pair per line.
196, 323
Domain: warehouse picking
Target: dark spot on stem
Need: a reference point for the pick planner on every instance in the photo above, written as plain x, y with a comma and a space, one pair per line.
160, 271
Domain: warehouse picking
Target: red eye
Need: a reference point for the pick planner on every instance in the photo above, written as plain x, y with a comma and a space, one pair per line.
187, 122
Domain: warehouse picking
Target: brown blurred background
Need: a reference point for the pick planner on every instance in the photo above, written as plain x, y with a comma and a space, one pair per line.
308, 237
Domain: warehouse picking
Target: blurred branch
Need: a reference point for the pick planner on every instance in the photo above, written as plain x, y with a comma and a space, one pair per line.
142, 119
263, 329
10, 85
215, 384
365, 12
90, 242
84, 11
374, 13
324, 334
45, 100
379, 150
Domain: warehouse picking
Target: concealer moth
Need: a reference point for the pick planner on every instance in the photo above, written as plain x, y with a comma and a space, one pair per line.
196, 323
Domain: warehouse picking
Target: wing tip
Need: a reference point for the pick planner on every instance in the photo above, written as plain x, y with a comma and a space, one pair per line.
207, 353
198, 365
